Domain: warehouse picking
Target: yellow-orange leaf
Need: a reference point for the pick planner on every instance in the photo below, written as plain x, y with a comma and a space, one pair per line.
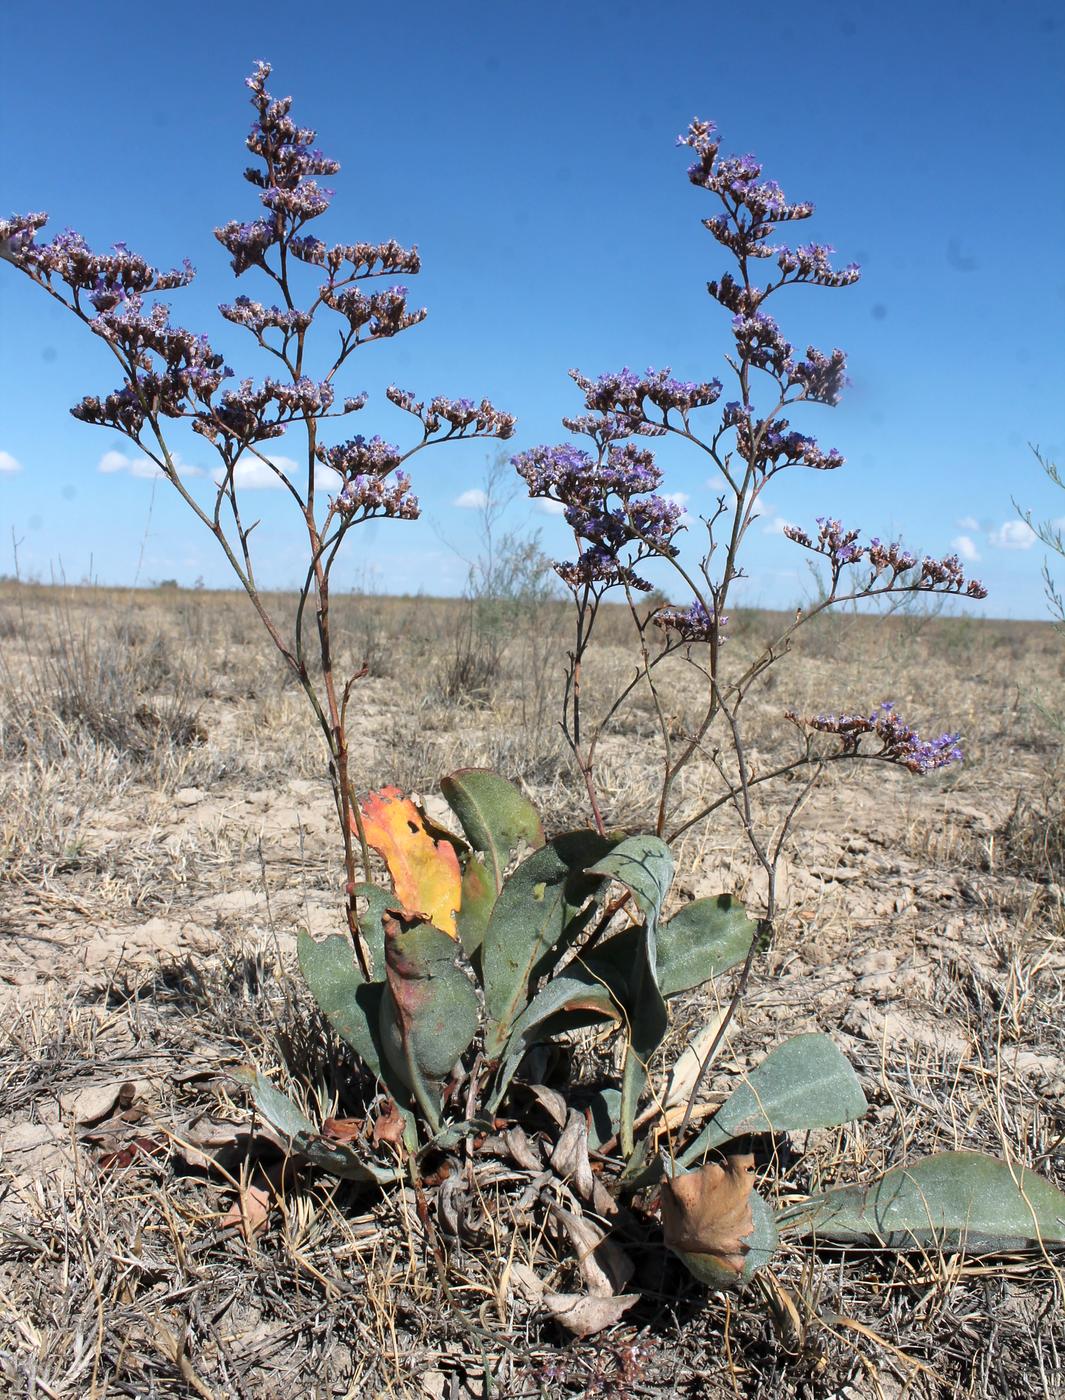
424, 868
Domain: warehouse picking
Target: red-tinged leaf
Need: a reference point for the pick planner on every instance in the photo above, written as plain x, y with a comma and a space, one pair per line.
429, 1013
126, 1156
342, 1129
421, 859
389, 1126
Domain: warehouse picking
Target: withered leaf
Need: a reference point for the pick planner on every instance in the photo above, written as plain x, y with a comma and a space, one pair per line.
388, 1126
707, 1214
585, 1316
421, 860
604, 1266
342, 1129
250, 1211
570, 1157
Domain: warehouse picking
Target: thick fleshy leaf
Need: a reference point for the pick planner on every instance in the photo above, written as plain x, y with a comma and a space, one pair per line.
952, 1200
576, 994
378, 902
495, 816
350, 1004
804, 1083
605, 1111
421, 860
702, 940
644, 865
535, 912
478, 897
429, 1012
281, 1113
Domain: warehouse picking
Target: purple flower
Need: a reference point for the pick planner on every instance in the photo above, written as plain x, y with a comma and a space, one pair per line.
691, 624
900, 743
361, 457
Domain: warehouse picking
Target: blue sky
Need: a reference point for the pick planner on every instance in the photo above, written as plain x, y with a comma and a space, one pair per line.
529, 151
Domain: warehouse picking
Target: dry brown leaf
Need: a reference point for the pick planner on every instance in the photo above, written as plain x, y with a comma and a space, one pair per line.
389, 1126
250, 1211
570, 1157
604, 1266
585, 1316
97, 1101
342, 1129
708, 1212
522, 1150
551, 1101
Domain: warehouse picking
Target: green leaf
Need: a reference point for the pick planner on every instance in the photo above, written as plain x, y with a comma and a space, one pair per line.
429, 1012
644, 865
702, 940
350, 1004
804, 1083
574, 991
761, 1246
952, 1200
536, 908
495, 816
605, 1110
378, 902
281, 1113
478, 897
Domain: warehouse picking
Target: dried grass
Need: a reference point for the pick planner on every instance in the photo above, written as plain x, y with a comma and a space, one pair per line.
149, 894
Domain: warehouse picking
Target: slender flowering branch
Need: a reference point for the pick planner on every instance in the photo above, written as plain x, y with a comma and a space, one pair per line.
171, 375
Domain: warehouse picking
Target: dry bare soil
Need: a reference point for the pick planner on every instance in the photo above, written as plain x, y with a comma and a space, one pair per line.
166, 826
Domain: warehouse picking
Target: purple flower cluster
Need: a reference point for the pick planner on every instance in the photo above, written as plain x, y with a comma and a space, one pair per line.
809, 263
290, 191
461, 415
255, 317
841, 547
624, 395
254, 412
357, 259
361, 457
383, 313
366, 496
104, 280
900, 743
609, 504
691, 624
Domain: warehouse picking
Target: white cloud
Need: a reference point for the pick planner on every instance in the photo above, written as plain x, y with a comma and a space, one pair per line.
254, 474
114, 461
717, 483
549, 507
969, 523
1012, 534
775, 525
473, 499
964, 547
8, 463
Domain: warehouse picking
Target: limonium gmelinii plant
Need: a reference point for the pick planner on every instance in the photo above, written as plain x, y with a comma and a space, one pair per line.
471, 950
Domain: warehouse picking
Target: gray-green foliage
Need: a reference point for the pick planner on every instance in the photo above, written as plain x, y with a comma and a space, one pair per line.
535, 959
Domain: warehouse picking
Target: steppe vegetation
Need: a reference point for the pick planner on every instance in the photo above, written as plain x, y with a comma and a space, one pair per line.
165, 830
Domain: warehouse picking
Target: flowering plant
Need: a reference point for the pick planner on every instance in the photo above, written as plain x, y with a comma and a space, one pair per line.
171, 376
479, 949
